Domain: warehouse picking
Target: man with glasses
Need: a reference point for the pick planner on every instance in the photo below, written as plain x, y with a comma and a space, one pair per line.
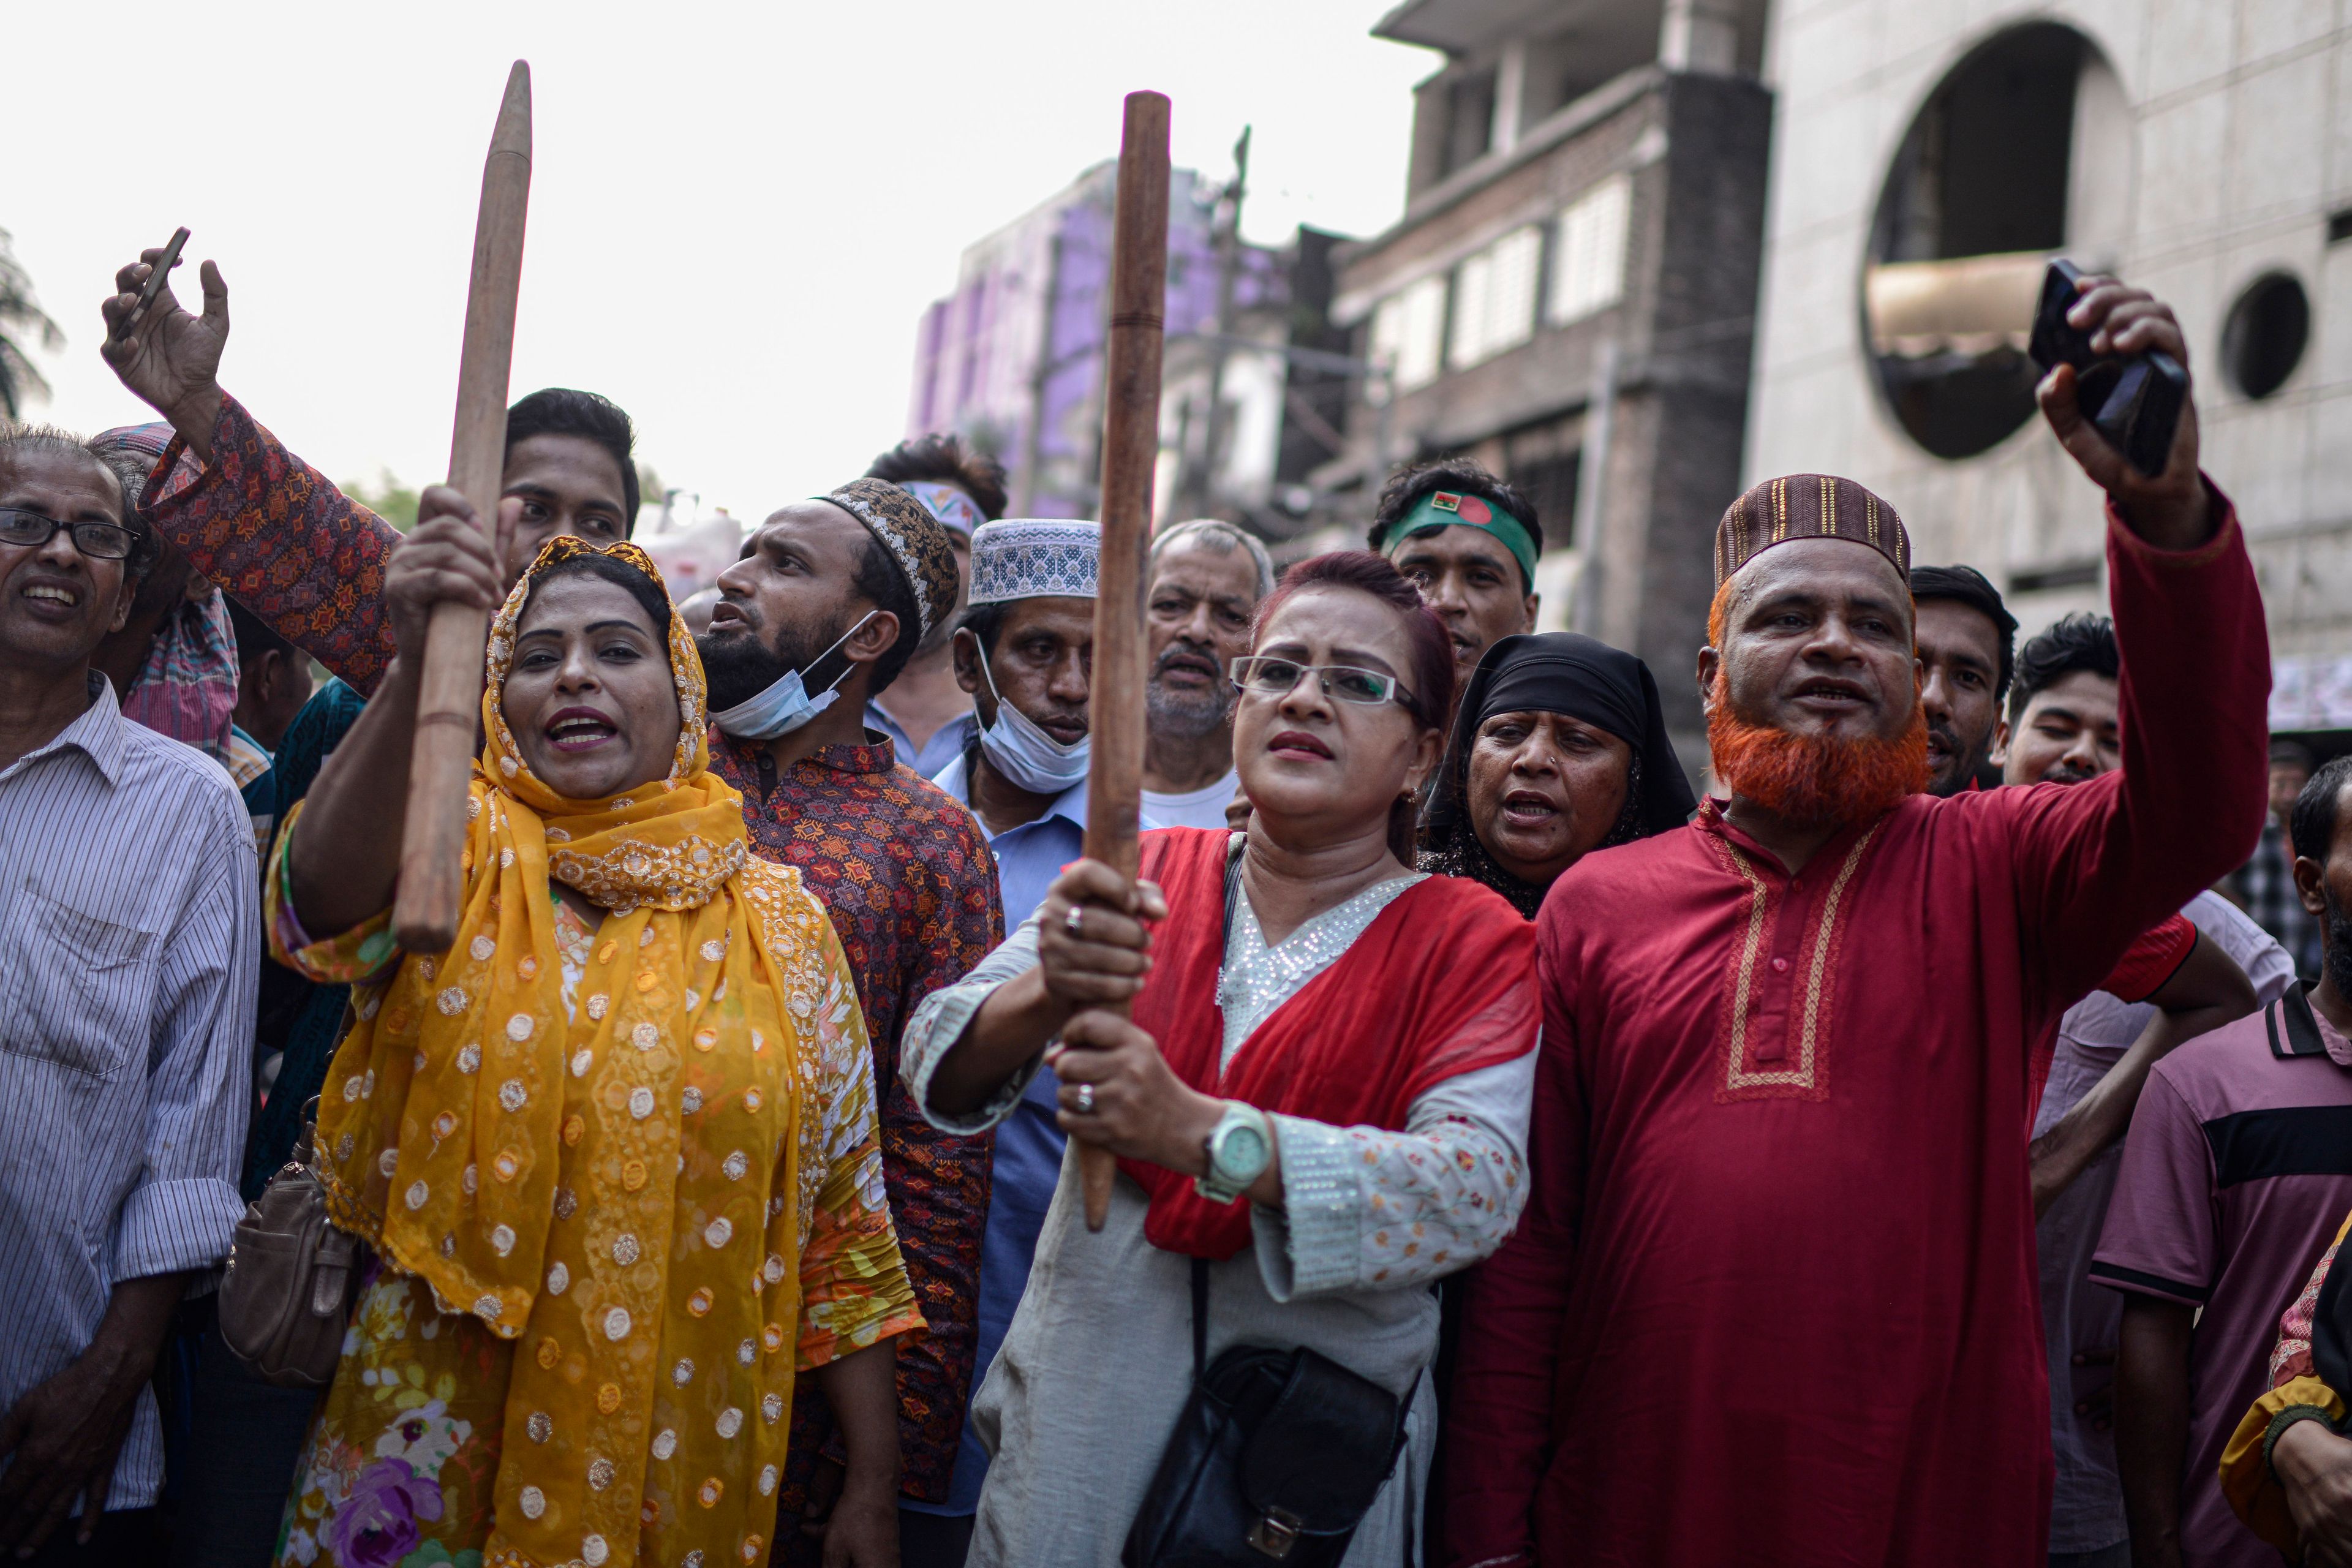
129, 919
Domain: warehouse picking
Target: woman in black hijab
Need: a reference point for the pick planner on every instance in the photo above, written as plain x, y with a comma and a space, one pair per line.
1559, 748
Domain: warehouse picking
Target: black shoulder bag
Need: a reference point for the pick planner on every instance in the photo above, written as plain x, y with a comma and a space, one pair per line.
1276, 1457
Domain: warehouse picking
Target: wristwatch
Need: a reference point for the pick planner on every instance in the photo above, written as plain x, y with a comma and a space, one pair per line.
1239, 1145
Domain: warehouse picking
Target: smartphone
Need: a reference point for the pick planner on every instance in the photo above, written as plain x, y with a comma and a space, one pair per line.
2134, 403
156, 282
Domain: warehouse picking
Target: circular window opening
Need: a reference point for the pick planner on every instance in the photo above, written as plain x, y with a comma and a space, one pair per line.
2021, 152
2263, 339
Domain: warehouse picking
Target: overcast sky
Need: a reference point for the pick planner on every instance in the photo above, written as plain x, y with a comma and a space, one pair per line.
738, 213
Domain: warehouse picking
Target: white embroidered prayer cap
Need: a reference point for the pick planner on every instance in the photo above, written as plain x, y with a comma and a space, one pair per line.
1034, 558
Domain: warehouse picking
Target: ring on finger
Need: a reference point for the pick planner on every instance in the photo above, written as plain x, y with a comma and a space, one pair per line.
1085, 1105
1075, 921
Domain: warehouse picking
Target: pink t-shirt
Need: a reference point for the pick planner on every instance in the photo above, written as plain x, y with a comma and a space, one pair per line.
2235, 1175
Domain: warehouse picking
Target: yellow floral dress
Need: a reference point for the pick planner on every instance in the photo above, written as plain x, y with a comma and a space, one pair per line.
400, 1468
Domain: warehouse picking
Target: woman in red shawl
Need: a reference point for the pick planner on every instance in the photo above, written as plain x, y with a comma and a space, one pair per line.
1351, 1052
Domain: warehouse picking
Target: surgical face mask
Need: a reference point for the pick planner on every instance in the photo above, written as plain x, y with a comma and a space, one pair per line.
785, 706
1029, 757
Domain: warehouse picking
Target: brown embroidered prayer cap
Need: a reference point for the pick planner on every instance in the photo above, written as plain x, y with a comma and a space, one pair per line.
1806, 506
916, 540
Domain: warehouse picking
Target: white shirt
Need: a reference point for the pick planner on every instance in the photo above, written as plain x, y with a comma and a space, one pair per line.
130, 921
1191, 808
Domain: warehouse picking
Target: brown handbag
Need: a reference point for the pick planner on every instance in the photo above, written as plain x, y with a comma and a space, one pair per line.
288, 1288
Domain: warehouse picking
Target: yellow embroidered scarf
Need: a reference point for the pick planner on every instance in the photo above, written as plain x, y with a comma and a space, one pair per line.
616, 1188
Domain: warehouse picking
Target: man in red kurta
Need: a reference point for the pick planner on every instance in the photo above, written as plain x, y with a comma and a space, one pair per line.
1773, 1301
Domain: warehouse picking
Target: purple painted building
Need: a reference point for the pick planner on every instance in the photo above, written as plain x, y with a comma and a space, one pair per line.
1013, 358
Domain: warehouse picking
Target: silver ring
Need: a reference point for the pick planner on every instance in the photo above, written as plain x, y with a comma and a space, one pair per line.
1085, 1099
1075, 921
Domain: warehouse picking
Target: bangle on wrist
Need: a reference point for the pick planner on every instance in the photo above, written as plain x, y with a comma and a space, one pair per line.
2281, 1422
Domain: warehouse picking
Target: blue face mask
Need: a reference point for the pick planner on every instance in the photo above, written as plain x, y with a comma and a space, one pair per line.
785, 706
1026, 756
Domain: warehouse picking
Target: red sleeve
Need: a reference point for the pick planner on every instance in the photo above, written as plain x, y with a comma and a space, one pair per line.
287, 545
2096, 864
2151, 961
1503, 1384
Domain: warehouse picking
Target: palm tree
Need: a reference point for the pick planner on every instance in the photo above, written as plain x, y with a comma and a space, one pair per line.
19, 317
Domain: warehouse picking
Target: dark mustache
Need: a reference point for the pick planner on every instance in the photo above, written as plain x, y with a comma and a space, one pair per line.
1182, 649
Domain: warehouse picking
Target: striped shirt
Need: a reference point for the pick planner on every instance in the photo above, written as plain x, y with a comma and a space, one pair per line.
129, 916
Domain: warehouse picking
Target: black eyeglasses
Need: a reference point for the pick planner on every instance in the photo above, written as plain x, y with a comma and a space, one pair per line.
99, 541
1348, 683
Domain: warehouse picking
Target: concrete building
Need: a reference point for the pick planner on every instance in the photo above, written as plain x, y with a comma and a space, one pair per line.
1013, 358
1928, 158
1569, 296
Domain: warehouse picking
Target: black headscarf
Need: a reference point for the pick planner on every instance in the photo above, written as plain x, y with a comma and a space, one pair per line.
1555, 672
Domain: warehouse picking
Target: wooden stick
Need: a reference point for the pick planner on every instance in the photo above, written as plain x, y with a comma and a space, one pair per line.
448, 706
1130, 452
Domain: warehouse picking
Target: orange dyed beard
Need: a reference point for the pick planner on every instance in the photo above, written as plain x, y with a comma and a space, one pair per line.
1815, 778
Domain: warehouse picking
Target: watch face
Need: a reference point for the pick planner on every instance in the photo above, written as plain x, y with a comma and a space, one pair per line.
1241, 1152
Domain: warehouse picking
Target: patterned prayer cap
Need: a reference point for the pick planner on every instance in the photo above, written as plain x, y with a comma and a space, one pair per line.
1806, 506
949, 503
1034, 558
916, 542
148, 441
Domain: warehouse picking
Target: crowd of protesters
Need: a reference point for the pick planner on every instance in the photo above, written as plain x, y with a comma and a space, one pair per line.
1928, 1145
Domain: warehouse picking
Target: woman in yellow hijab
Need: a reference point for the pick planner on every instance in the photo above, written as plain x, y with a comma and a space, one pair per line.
615, 1150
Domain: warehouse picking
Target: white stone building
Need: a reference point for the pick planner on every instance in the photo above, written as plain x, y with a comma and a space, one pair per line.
1929, 156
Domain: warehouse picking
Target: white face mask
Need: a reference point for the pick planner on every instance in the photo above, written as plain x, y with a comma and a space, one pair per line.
785, 706
1026, 756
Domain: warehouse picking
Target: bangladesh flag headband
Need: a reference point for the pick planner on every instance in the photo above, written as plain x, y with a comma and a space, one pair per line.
1451, 509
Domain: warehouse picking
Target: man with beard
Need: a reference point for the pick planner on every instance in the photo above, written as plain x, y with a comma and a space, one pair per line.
1773, 1298
2062, 729
1469, 541
928, 718
1967, 642
1205, 582
2233, 1180
831, 599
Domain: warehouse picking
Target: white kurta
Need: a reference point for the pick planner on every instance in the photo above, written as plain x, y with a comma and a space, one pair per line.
1098, 1361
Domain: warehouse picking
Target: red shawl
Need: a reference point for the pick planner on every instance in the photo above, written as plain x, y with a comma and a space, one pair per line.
1442, 983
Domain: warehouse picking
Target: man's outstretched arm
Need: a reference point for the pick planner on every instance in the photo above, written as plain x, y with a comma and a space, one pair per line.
2102, 861
260, 521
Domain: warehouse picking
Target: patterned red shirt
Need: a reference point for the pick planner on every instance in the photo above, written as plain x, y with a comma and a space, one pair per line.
905, 874
283, 541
